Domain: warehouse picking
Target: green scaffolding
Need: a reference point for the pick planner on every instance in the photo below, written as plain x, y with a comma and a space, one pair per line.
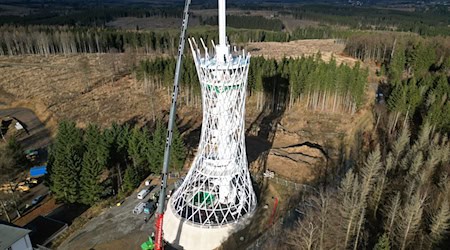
201, 197
222, 89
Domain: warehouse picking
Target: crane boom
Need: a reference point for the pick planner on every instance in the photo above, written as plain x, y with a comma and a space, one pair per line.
173, 107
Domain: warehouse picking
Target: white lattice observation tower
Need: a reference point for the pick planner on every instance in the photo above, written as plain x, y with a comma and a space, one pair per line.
217, 192
218, 188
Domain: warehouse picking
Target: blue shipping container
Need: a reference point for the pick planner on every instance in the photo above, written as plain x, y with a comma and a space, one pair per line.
38, 171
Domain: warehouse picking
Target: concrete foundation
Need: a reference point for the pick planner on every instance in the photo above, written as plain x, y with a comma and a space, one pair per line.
185, 235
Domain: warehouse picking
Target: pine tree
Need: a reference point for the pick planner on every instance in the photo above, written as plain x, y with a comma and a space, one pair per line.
95, 159
15, 150
178, 151
383, 243
147, 150
425, 57
64, 168
135, 148
131, 179
397, 65
158, 145
117, 141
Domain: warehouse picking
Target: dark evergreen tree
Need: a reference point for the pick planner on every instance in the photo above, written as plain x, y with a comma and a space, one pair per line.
158, 145
178, 151
64, 168
135, 148
383, 243
131, 179
145, 147
95, 159
15, 151
397, 64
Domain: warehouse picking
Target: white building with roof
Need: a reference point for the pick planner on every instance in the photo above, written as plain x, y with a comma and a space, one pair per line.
14, 238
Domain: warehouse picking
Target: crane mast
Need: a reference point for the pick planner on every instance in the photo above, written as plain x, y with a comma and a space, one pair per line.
173, 107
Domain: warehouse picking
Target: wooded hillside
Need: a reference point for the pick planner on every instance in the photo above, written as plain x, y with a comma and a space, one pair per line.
277, 84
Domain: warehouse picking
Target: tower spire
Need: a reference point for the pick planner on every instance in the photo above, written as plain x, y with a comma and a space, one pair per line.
222, 23
222, 50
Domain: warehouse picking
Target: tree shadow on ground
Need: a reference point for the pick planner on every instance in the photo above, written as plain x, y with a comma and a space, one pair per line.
258, 143
68, 212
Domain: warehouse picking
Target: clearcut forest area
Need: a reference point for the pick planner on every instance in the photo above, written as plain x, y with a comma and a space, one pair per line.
347, 119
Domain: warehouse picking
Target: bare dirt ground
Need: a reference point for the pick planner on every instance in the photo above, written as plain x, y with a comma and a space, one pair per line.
294, 49
59, 87
116, 227
112, 224
306, 140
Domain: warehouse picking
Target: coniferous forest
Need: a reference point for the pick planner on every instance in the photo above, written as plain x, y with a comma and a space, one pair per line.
45, 40
323, 86
87, 165
415, 73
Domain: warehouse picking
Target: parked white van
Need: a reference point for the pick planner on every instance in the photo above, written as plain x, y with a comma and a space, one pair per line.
141, 195
139, 208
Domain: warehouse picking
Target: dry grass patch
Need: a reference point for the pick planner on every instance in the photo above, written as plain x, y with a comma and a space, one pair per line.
86, 88
299, 48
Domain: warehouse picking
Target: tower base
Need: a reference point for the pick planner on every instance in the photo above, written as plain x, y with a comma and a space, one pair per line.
182, 234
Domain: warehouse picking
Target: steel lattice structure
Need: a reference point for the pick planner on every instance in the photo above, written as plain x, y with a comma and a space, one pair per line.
218, 189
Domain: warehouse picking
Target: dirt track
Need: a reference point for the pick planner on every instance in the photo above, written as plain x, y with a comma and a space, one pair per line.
38, 135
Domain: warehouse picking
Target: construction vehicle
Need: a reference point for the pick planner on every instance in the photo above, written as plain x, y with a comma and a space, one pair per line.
158, 244
149, 208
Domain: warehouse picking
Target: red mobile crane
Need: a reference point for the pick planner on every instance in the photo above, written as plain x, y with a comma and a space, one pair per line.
162, 195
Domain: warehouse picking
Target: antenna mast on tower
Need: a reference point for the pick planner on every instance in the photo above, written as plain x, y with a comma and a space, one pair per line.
222, 50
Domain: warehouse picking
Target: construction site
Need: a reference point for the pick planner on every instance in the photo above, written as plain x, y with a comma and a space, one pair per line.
147, 136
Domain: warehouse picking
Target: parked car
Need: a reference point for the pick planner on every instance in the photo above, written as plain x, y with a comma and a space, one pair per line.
37, 199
